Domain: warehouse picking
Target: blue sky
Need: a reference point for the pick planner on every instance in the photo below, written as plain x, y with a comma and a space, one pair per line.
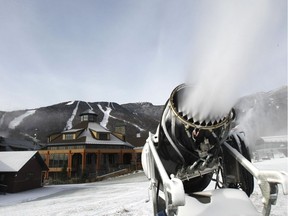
134, 51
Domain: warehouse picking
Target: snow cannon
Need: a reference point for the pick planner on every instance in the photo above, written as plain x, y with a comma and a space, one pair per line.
188, 152
188, 147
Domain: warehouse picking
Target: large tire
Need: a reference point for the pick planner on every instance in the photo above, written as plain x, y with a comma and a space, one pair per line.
242, 178
197, 184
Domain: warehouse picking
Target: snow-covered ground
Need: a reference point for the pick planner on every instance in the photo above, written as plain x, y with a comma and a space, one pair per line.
281, 207
124, 195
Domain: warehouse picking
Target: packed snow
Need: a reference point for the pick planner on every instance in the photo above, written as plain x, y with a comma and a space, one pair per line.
70, 103
281, 207
106, 112
128, 122
89, 106
17, 121
69, 124
111, 104
107, 115
2, 119
122, 196
135, 125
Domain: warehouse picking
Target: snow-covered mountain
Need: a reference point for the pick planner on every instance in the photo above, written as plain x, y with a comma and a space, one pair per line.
263, 114
138, 118
260, 114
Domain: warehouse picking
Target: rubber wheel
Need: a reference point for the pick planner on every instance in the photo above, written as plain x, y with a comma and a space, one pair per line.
246, 180
197, 184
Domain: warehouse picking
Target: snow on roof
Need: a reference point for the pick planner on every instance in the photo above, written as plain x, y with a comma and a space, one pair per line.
88, 111
97, 127
13, 161
113, 141
73, 130
90, 140
86, 129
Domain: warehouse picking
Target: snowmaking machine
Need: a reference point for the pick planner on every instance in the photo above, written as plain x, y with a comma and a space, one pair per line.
186, 155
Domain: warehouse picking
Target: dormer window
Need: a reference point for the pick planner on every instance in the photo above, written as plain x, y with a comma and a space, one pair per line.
69, 136
100, 135
104, 136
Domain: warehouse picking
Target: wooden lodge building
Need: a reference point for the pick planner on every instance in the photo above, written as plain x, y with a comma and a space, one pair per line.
88, 149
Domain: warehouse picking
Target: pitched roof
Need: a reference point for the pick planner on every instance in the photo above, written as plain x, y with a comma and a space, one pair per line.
89, 112
112, 141
85, 136
97, 127
13, 161
12, 143
72, 130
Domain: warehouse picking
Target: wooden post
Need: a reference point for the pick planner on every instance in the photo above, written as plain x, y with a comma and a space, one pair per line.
98, 160
47, 156
70, 155
120, 160
83, 162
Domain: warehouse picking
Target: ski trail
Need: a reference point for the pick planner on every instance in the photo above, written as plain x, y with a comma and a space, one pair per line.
2, 119
128, 122
112, 106
16, 121
70, 103
105, 119
89, 105
135, 125
106, 112
70, 120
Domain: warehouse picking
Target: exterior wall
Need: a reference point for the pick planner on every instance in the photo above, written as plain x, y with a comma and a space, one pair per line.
29, 177
138, 152
92, 162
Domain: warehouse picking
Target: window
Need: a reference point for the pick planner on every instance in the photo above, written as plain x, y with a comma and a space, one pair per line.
58, 160
66, 147
103, 136
69, 136
2, 177
84, 118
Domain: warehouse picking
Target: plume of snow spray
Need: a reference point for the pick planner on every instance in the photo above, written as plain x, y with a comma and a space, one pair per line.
222, 57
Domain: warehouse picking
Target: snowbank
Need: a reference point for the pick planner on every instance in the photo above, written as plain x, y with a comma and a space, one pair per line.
125, 196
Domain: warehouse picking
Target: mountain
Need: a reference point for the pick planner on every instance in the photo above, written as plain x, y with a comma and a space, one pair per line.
259, 114
263, 114
138, 119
